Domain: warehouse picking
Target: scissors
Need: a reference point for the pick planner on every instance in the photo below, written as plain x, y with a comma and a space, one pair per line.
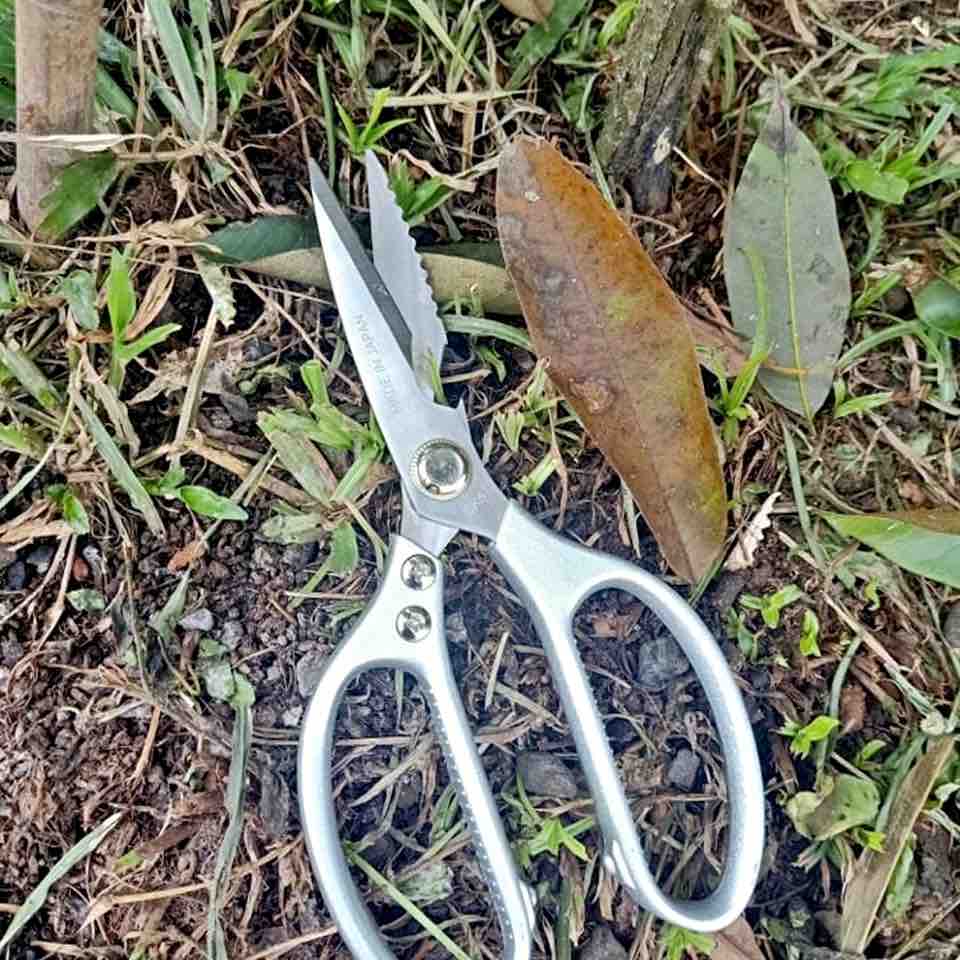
395, 335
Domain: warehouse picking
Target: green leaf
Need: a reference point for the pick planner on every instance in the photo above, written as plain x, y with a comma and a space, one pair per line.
300, 457
925, 542
150, 339
314, 375
79, 189
166, 618
938, 306
167, 485
681, 944
803, 738
262, 238
71, 508
21, 365
866, 178
295, 528
344, 555
783, 215
86, 600
541, 39
119, 467
168, 33
79, 851
121, 297
209, 504
21, 440
79, 291
841, 803
809, 635
233, 801
902, 883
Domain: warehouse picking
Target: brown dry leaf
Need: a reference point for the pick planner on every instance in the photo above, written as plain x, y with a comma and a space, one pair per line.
185, 556
853, 709
742, 555
619, 347
872, 872
736, 942
535, 10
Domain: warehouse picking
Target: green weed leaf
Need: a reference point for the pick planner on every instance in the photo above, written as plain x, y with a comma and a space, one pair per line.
79, 291
803, 738
866, 177
86, 601
209, 504
680, 943
925, 542
70, 506
121, 297
938, 307
79, 189
810, 634
542, 39
783, 212
79, 851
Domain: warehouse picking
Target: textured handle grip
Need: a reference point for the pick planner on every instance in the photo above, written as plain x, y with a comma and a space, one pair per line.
553, 577
403, 628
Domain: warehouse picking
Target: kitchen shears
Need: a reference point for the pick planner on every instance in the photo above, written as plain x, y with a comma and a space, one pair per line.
396, 336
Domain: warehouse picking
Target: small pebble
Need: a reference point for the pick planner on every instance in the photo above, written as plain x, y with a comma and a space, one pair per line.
7, 556
292, 716
602, 945
684, 769
231, 633
308, 672
17, 576
41, 556
661, 662
201, 620
905, 418
951, 627
299, 556
545, 775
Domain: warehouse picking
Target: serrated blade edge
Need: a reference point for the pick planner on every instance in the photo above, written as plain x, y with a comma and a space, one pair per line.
399, 265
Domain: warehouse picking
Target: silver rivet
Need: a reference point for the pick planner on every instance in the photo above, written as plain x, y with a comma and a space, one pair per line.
418, 572
441, 469
413, 624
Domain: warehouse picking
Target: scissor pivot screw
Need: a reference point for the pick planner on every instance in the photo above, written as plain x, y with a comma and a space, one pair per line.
418, 572
413, 624
441, 469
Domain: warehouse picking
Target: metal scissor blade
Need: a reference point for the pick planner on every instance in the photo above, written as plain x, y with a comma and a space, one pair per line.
398, 263
378, 337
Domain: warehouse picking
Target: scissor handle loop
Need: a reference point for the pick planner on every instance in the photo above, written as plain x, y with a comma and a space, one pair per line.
376, 642
553, 576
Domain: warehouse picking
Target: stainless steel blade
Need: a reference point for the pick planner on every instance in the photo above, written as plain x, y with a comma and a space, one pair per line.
380, 343
397, 261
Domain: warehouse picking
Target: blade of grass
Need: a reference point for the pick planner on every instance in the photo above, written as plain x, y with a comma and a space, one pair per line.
430, 18
119, 466
796, 482
63, 866
328, 121
29, 376
406, 904
242, 730
176, 53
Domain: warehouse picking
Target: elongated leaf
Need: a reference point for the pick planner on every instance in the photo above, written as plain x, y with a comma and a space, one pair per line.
618, 345
925, 542
63, 866
119, 466
30, 376
236, 790
288, 247
209, 504
784, 260
542, 38
168, 33
80, 293
301, 458
121, 297
79, 189
872, 873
